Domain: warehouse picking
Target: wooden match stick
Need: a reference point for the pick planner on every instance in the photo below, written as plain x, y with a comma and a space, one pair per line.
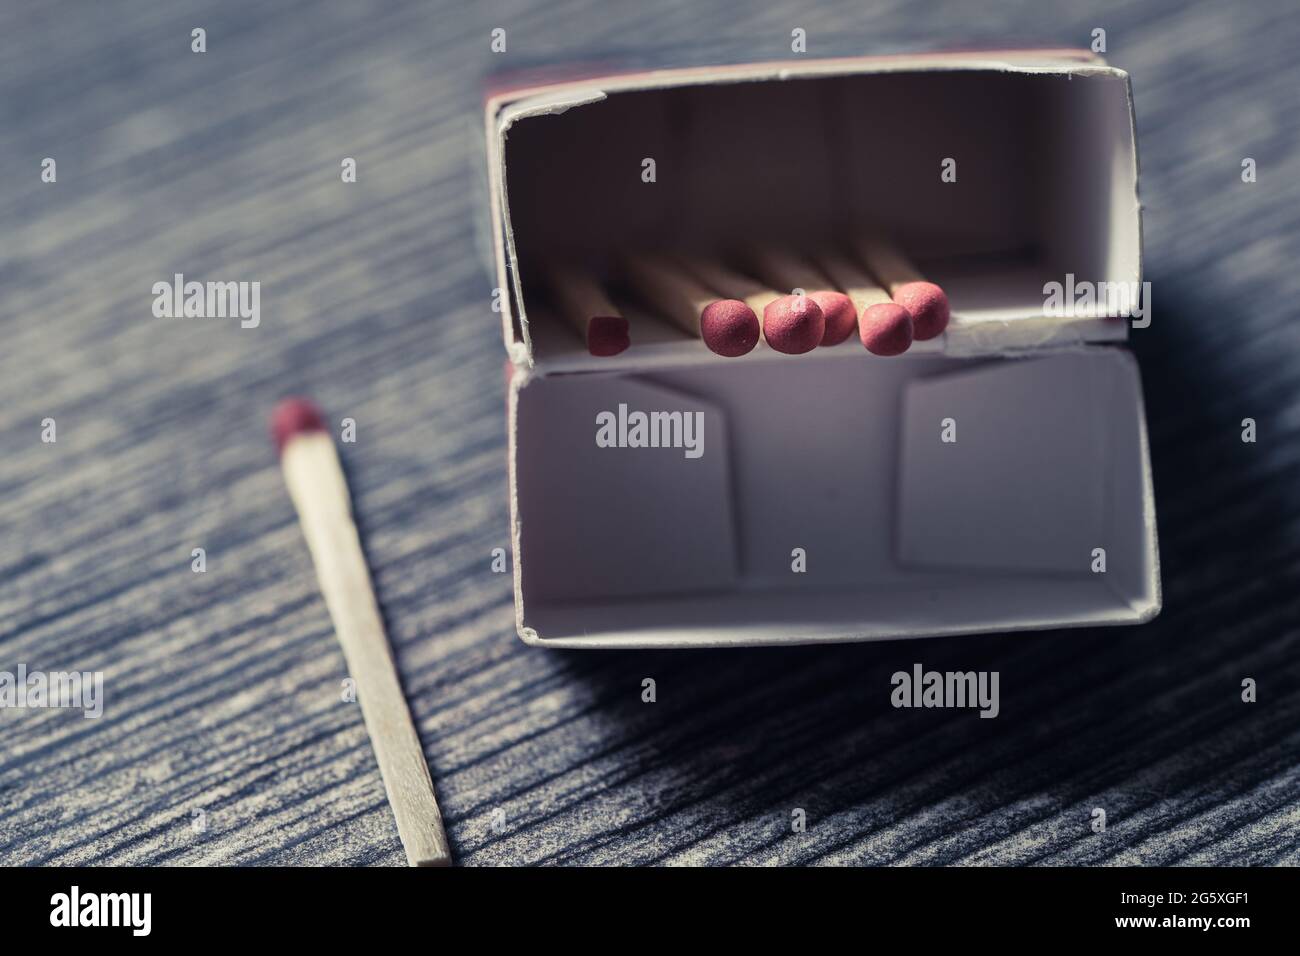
785, 270
585, 306
790, 324
884, 326
726, 325
909, 288
320, 494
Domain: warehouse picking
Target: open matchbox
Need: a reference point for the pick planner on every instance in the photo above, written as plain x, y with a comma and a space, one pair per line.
835, 452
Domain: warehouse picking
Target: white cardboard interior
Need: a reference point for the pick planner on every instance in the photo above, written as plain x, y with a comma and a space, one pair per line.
836, 452
903, 533
1046, 184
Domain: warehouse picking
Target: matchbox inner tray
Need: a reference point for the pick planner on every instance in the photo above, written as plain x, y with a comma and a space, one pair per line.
825, 504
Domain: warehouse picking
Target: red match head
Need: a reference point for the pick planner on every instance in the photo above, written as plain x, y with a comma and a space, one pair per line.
294, 416
841, 315
607, 335
928, 305
729, 327
886, 329
793, 324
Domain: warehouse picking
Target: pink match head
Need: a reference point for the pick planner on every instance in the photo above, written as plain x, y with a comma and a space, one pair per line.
607, 335
729, 327
793, 324
928, 305
841, 315
294, 416
886, 329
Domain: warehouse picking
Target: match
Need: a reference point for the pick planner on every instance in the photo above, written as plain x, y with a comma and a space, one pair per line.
785, 270
587, 308
884, 326
728, 327
320, 494
792, 324
926, 301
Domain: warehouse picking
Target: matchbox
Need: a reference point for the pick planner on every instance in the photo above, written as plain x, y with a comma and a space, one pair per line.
993, 478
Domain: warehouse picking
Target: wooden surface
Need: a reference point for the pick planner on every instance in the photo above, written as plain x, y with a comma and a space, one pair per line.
224, 688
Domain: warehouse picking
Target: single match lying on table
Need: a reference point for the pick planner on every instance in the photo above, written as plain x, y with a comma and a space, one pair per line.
786, 270
884, 326
792, 324
925, 300
727, 326
320, 494
586, 307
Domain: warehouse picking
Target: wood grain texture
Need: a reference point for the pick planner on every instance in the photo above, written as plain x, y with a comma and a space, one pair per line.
223, 688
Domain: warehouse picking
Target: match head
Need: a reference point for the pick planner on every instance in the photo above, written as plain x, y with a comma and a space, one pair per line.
886, 329
294, 416
729, 327
793, 324
841, 315
928, 305
607, 335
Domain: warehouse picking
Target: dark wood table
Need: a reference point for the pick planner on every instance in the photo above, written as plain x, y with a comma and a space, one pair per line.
223, 688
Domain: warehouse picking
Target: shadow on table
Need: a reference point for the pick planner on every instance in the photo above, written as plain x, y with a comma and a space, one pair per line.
750, 733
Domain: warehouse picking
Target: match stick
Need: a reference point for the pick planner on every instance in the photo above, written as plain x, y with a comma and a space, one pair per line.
320, 494
792, 324
785, 270
925, 300
586, 307
884, 326
727, 326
